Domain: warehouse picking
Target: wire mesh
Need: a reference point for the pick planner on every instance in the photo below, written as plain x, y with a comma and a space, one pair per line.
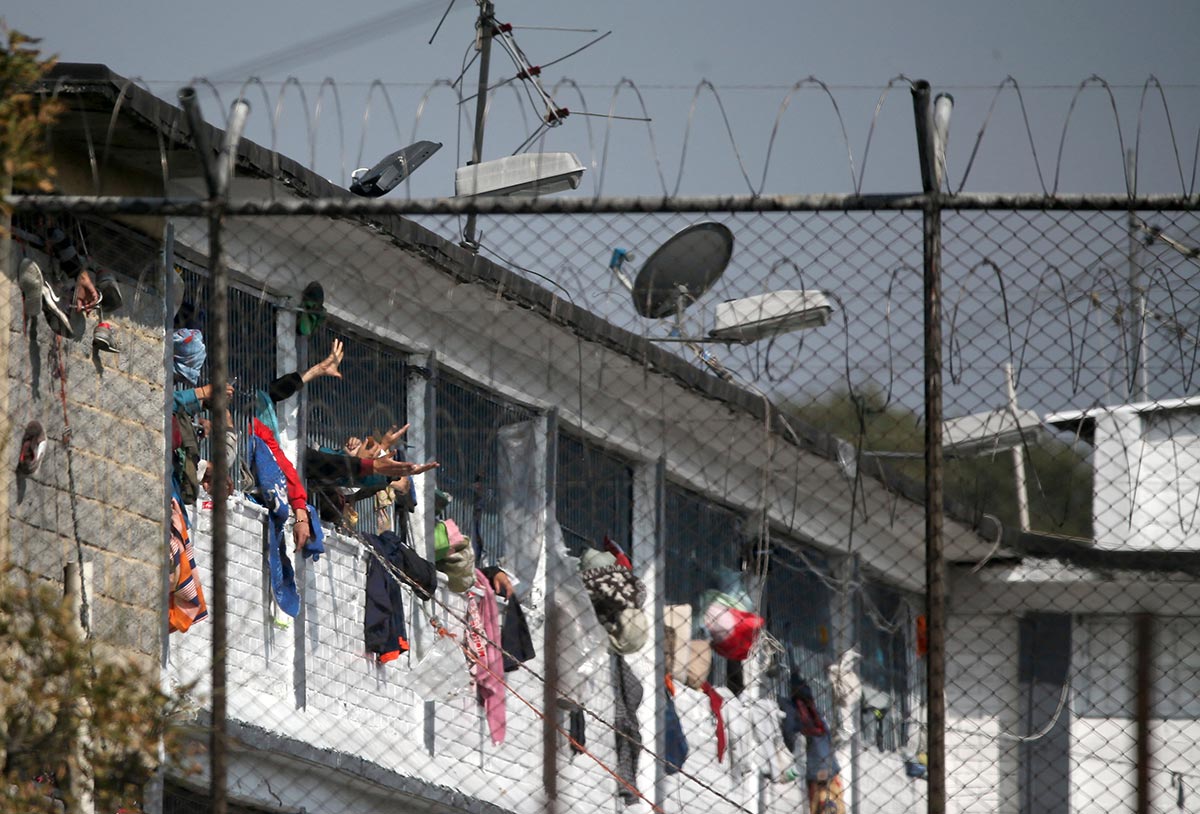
476, 646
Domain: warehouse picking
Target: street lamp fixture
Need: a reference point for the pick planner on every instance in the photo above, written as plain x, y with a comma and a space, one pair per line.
526, 174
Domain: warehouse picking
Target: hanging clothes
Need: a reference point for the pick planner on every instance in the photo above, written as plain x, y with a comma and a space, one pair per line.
483, 635
577, 729
676, 744
628, 697
820, 762
384, 633
752, 727
515, 638
185, 605
273, 492
715, 702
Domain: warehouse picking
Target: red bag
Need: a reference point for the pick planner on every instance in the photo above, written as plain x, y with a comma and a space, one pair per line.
733, 631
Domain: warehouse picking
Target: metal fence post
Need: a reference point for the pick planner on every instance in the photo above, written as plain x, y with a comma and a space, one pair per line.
218, 171
1144, 660
935, 567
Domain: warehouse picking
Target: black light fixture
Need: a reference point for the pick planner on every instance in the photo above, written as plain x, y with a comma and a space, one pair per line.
394, 168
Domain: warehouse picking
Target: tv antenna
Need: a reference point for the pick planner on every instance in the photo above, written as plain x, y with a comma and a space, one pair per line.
513, 177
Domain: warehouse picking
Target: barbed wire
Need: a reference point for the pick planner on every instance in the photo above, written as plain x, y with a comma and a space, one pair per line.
732, 156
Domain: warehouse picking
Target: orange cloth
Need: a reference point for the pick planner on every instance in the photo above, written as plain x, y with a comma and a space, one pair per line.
186, 602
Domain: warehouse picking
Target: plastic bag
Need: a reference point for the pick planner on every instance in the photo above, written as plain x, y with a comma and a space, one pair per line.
582, 640
442, 674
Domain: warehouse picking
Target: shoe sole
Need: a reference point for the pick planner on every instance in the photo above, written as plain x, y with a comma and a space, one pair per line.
60, 323
30, 277
33, 449
105, 345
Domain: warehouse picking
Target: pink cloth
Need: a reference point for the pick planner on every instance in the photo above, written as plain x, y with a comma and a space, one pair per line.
483, 638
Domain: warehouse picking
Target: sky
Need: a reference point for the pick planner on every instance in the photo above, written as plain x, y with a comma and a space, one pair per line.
752, 53
715, 79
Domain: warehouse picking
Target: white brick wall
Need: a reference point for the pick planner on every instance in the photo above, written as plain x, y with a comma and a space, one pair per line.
358, 708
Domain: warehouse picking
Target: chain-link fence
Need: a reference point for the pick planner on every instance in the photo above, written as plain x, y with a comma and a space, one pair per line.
855, 503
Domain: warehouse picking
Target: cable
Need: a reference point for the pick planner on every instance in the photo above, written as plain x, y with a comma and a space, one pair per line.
406, 580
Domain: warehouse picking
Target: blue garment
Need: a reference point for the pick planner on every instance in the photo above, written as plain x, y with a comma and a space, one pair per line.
315, 546
189, 354
271, 481
186, 402
677, 749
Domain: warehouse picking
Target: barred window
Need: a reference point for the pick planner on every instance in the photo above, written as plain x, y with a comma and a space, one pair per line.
369, 399
468, 418
593, 496
883, 628
703, 541
798, 608
252, 354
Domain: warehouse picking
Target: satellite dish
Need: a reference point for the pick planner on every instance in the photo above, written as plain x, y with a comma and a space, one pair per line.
682, 269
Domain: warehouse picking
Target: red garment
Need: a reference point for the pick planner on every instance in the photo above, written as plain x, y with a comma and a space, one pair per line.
716, 701
297, 497
622, 558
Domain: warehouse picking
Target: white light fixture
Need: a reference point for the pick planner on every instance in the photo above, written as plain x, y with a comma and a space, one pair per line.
526, 174
752, 318
983, 433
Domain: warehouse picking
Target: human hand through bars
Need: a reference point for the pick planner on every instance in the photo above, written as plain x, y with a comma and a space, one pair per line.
327, 366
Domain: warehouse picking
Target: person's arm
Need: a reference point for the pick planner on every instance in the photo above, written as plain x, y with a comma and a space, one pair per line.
289, 384
284, 387
332, 469
327, 366
187, 402
86, 295
192, 401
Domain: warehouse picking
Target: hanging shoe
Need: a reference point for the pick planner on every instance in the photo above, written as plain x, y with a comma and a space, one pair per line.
104, 338
29, 277
33, 449
59, 322
110, 292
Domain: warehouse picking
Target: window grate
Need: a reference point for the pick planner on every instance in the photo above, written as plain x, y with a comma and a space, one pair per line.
593, 496
369, 399
468, 418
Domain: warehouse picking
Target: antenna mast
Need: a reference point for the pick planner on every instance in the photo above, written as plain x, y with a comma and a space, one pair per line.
486, 28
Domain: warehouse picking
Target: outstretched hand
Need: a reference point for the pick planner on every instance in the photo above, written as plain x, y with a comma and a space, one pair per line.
327, 366
393, 436
398, 469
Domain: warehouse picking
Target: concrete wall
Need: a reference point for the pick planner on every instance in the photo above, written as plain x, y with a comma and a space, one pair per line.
102, 496
1146, 485
984, 702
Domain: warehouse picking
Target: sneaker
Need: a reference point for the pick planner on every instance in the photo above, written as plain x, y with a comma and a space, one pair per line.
29, 277
33, 449
110, 292
104, 338
60, 323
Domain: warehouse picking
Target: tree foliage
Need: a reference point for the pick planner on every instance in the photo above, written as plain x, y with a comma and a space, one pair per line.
1058, 477
24, 159
72, 715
